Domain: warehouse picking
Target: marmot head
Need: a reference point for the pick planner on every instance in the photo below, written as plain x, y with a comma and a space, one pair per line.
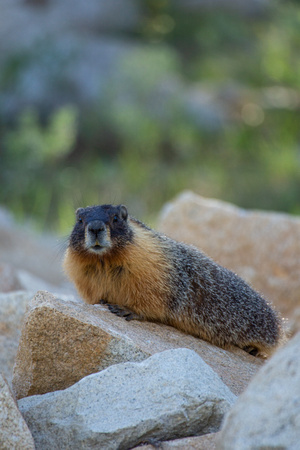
101, 229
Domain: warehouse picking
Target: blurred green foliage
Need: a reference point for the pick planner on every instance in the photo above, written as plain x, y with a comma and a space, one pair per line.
32, 154
142, 149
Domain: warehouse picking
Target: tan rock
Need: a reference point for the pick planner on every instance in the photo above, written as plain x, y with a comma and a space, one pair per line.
262, 247
14, 433
62, 342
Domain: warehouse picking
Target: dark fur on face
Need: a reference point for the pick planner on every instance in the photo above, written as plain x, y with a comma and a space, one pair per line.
100, 229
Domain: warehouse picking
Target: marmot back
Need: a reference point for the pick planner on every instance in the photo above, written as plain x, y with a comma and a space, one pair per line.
141, 274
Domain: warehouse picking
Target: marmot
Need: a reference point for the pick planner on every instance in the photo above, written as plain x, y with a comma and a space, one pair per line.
142, 274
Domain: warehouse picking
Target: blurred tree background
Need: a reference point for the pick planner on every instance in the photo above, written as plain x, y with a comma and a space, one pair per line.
133, 101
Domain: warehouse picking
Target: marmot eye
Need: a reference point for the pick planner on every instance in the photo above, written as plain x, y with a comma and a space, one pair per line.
116, 218
80, 220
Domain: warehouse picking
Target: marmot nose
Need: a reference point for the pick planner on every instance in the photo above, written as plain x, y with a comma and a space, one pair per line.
96, 227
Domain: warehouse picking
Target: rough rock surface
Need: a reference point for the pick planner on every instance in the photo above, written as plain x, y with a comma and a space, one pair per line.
63, 342
171, 394
14, 433
205, 442
267, 414
262, 247
12, 310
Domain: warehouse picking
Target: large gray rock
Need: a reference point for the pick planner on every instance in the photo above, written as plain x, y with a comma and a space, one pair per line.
170, 395
63, 341
267, 414
12, 310
14, 433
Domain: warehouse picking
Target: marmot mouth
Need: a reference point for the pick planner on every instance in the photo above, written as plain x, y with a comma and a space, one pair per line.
97, 247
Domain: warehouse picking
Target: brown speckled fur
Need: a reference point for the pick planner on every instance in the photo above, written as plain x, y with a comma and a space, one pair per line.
136, 278
166, 281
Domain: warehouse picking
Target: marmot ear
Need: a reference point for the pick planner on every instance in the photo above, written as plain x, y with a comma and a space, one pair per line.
78, 211
123, 212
